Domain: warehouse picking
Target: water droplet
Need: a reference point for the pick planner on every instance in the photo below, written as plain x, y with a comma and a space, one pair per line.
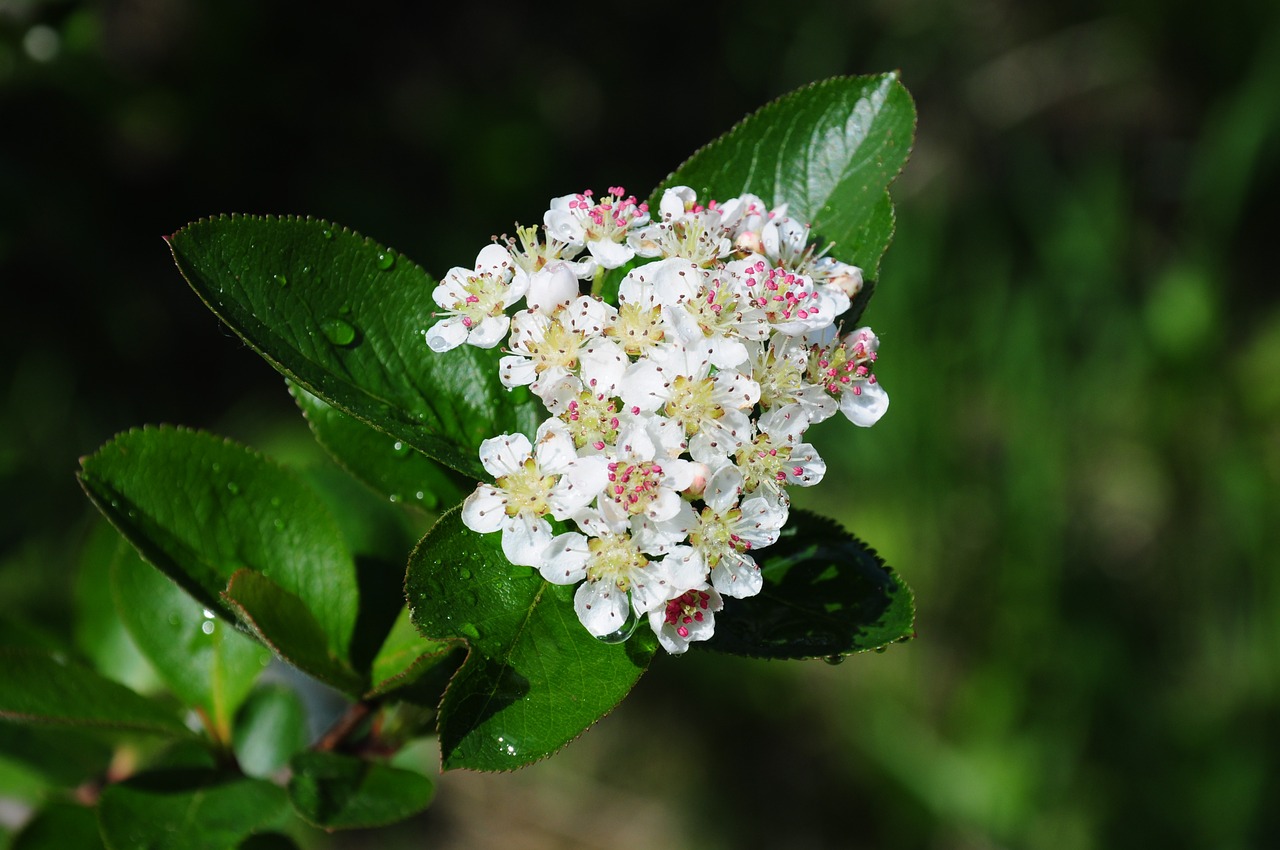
400, 448
208, 615
233, 488
626, 630
328, 234
275, 501
279, 524
174, 620
386, 260
470, 599
306, 269
506, 746
395, 497
419, 495
338, 331
207, 627
345, 310
280, 279
216, 467
464, 573
469, 631
834, 659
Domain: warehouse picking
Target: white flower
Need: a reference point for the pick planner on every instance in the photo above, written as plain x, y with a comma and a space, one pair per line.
474, 301
776, 458
710, 310
709, 408
687, 230
782, 368
844, 371
532, 481
620, 576
602, 226
686, 618
791, 302
726, 531
643, 481
546, 348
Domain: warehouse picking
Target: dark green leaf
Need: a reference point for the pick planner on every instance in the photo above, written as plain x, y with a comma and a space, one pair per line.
39, 687
345, 318
60, 826
825, 595
206, 662
405, 657
200, 508
534, 678
392, 467
828, 151
271, 727
283, 622
188, 810
65, 757
268, 841
343, 792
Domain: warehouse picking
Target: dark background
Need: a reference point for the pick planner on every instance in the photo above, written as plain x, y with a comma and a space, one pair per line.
1080, 335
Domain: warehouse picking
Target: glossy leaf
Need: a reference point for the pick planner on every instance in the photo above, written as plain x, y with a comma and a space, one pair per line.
60, 826
271, 727
206, 662
64, 757
200, 508
534, 678
283, 622
392, 467
188, 810
828, 151
826, 595
40, 687
345, 318
343, 792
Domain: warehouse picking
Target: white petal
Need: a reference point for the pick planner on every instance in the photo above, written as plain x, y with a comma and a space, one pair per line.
489, 332
525, 538
564, 561
601, 607
611, 254
516, 371
504, 454
551, 288
866, 407
493, 258
485, 509
737, 576
446, 334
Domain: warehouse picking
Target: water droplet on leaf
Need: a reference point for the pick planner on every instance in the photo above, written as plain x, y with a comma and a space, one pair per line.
386, 260
338, 331
469, 631
233, 488
834, 659
207, 627
280, 279
328, 234
626, 630
394, 497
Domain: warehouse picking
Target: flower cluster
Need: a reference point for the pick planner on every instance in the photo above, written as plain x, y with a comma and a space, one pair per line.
676, 416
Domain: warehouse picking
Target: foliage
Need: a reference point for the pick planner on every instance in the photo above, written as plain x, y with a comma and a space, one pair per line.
235, 555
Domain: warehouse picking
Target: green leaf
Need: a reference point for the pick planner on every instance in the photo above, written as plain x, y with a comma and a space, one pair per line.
828, 151
64, 757
206, 662
271, 727
343, 792
283, 622
405, 657
41, 687
391, 467
534, 678
345, 317
188, 810
200, 508
826, 595
60, 826
100, 635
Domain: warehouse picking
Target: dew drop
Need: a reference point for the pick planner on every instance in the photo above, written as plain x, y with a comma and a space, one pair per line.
626, 630
275, 501
464, 573
207, 627
394, 497
174, 620
469, 631
506, 746
279, 524
280, 279
328, 234
208, 615
386, 260
419, 495
833, 660
338, 331
233, 488
401, 449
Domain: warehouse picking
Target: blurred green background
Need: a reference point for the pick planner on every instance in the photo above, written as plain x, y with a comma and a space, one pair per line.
1079, 473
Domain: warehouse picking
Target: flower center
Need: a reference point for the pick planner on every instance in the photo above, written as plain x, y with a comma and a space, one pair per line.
528, 489
592, 419
784, 296
634, 486
761, 462
692, 402
636, 328
687, 609
714, 535
558, 347
484, 297
843, 367
615, 559
608, 220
